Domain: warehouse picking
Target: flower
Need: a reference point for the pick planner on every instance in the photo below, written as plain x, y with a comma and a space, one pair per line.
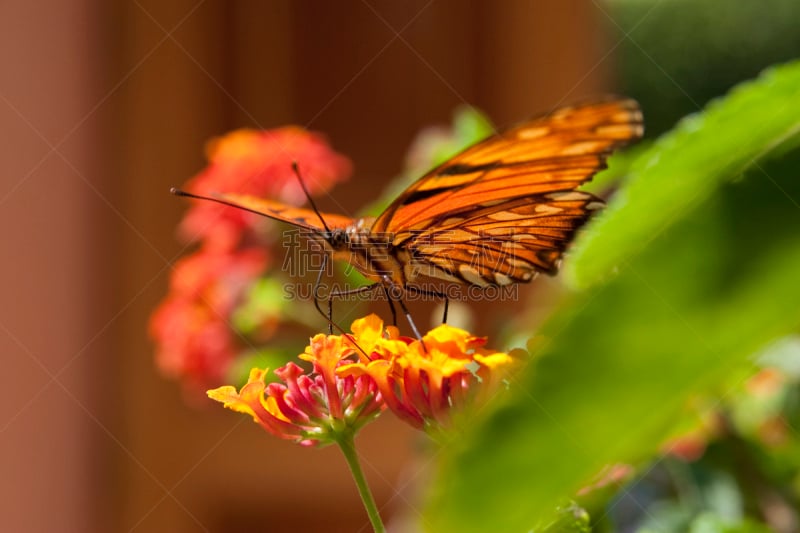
311, 408
355, 376
195, 326
257, 163
191, 326
424, 382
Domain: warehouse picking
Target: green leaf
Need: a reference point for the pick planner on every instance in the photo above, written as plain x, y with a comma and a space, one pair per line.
619, 165
570, 518
710, 523
708, 261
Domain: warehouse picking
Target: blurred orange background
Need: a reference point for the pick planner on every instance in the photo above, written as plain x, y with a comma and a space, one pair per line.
104, 106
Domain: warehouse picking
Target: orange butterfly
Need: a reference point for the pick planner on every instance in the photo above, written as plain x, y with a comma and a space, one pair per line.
498, 213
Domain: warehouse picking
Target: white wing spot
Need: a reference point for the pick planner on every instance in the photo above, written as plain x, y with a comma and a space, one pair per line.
622, 131
452, 235
513, 245
580, 148
533, 133
547, 209
592, 206
507, 215
471, 275
498, 232
413, 270
502, 279
569, 196
633, 115
432, 249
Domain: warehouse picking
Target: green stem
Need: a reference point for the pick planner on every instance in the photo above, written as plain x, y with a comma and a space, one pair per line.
347, 445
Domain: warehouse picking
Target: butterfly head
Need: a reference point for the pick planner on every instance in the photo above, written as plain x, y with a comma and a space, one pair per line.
349, 236
338, 238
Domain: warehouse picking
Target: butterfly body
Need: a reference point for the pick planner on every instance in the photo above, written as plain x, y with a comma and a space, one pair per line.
500, 212
373, 255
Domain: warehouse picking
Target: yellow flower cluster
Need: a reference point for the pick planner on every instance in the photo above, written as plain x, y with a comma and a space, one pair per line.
355, 376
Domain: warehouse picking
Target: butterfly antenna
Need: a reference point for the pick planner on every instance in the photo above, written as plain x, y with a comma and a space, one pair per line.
296, 170
180, 192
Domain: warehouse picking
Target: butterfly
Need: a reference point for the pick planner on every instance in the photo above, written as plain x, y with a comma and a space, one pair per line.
500, 212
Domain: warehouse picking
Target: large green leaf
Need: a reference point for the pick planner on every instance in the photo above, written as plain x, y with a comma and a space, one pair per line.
693, 267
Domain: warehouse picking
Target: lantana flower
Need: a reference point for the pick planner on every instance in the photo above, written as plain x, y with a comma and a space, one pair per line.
355, 376
425, 382
311, 408
258, 163
193, 326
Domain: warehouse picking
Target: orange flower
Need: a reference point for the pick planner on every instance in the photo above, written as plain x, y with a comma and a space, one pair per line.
355, 376
311, 408
191, 327
258, 163
424, 384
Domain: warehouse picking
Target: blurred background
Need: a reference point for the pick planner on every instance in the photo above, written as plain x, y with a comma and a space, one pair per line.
105, 105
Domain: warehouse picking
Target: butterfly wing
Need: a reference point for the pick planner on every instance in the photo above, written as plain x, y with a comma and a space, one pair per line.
490, 247
296, 216
513, 193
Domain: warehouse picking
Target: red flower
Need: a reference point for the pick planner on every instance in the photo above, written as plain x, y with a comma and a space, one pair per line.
194, 339
258, 163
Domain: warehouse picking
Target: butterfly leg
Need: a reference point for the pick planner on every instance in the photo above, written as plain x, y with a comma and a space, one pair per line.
329, 316
389, 286
340, 294
391, 305
410, 320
